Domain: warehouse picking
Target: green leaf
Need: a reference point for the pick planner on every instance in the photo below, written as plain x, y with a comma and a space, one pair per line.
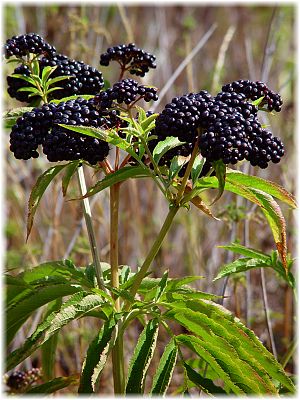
96, 357
24, 78
37, 287
54, 385
164, 371
245, 251
48, 349
220, 169
276, 221
197, 168
75, 96
176, 164
76, 307
241, 265
161, 286
165, 145
51, 81
141, 358
267, 204
29, 89
47, 71
205, 384
272, 188
257, 101
69, 172
10, 117
232, 350
38, 190
53, 89
118, 176
36, 67
148, 121
141, 114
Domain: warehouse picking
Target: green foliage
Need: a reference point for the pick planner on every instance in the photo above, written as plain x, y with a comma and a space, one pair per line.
141, 358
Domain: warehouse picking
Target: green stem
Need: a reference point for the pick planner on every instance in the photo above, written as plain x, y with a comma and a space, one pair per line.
117, 351
153, 252
89, 225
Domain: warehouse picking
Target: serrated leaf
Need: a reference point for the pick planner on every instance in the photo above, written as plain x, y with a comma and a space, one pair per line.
161, 286
164, 146
220, 169
30, 290
276, 221
36, 67
141, 358
24, 78
272, 188
176, 164
96, 357
108, 136
216, 327
205, 384
141, 114
148, 121
48, 349
241, 265
116, 177
75, 96
53, 89
77, 306
69, 172
47, 71
245, 251
37, 192
164, 371
29, 89
51, 81
257, 101
197, 168
54, 385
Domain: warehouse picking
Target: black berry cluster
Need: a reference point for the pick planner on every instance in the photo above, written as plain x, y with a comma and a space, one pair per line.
30, 131
135, 60
19, 380
63, 144
84, 79
41, 127
125, 91
229, 127
254, 91
22, 45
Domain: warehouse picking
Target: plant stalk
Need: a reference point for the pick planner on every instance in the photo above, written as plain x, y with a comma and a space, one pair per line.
89, 225
117, 351
154, 250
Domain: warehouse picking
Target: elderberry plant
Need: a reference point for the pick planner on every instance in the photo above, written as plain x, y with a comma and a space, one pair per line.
186, 149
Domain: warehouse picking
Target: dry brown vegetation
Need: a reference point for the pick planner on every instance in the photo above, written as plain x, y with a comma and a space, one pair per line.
249, 42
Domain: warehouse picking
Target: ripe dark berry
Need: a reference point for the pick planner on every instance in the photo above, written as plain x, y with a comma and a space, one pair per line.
16, 380
135, 60
22, 45
255, 90
30, 131
126, 91
84, 79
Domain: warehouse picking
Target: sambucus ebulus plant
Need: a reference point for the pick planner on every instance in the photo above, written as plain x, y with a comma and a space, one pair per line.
186, 150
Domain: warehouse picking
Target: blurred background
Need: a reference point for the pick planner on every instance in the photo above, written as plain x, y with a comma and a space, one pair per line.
242, 42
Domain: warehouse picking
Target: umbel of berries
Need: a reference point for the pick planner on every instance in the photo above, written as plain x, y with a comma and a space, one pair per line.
84, 79
131, 58
126, 91
21, 45
41, 127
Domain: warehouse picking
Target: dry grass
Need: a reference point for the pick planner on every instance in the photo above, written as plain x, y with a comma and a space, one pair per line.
248, 42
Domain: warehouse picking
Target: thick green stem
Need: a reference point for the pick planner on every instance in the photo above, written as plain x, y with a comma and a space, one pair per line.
154, 250
89, 225
117, 351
